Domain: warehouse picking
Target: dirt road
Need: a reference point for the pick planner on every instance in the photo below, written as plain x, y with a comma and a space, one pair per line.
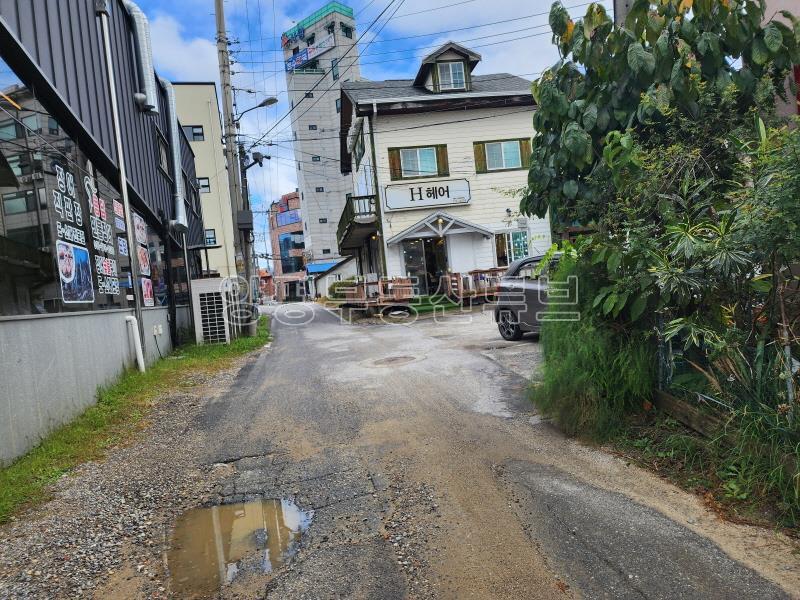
428, 474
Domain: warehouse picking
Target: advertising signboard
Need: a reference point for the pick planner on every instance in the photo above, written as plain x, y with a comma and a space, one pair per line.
428, 194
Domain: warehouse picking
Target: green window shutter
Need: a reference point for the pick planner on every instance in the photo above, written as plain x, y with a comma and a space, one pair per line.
525, 152
441, 160
395, 172
467, 77
435, 74
480, 157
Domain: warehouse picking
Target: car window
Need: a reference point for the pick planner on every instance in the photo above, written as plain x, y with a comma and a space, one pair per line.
528, 271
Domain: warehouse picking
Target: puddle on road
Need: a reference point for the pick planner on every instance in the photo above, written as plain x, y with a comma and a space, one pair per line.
211, 546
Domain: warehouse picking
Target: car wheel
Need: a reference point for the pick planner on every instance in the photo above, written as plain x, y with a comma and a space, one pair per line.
509, 328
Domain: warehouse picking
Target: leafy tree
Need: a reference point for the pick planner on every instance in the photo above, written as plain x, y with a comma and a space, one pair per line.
611, 80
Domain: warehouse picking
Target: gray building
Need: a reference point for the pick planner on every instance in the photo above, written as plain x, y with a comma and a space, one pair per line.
319, 56
90, 268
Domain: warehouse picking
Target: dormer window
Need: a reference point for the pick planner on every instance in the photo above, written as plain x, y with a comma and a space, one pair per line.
451, 76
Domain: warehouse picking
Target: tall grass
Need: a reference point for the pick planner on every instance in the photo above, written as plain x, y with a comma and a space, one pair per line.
592, 375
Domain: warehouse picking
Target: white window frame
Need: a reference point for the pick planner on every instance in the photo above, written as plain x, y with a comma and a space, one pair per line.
418, 173
508, 240
503, 155
450, 66
213, 235
204, 189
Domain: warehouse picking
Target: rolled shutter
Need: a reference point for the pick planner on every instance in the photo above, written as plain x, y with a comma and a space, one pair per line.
480, 157
395, 172
525, 152
441, 160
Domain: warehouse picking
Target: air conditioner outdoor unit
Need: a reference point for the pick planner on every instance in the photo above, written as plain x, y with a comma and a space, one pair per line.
212, 300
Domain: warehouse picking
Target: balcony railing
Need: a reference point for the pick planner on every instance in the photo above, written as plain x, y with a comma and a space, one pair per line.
358, 220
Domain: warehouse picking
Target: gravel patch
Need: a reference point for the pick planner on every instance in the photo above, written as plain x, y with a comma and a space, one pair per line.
111, 519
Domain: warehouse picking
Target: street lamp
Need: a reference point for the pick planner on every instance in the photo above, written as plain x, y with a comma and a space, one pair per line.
263, 104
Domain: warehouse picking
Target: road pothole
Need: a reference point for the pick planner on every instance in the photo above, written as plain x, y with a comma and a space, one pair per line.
212, 546
393, 361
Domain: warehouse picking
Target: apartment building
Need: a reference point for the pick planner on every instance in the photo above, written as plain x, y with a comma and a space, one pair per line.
288, 243
198, 112
449, 147
319, 56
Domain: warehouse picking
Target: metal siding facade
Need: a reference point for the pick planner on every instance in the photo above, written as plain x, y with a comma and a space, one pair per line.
64, 40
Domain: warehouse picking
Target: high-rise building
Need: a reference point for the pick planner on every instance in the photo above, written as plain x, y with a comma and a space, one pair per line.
319, 56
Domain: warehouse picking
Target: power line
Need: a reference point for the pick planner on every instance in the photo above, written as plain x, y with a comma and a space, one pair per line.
321, 79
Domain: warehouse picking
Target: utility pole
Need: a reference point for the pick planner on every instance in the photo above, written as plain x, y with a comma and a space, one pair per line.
229, 132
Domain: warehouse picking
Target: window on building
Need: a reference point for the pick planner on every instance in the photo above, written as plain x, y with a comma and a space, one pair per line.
323, 220
335, 69
163, 154
418, 162
510, 246
347, 31
503, 155
338, 105
330, 27
319, 189
309, 94
211, 237
358, 147
32, 123
204, 185
295, 51
292, 264
10, 130
312, 127
61, 247
195, 133
326, 250
310, 40
315, 158
451, 76
18, 202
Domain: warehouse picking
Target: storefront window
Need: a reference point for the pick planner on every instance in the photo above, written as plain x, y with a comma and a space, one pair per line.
511, 246
63, 244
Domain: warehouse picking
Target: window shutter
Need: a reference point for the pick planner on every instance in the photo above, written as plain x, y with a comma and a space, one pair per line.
480, 157
435, 77
467, 77
525, 152
441, 160
395, 171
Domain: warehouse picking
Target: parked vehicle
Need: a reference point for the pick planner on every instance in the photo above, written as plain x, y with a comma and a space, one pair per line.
522, 298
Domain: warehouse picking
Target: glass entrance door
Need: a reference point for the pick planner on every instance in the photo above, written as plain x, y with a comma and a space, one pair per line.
426, 262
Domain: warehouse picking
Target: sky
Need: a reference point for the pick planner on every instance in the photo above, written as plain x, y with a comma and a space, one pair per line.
512, 37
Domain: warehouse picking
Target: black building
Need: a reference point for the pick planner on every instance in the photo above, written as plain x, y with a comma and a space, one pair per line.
73, 242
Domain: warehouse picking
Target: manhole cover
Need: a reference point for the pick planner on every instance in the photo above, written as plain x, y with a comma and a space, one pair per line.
392, 361
211, 546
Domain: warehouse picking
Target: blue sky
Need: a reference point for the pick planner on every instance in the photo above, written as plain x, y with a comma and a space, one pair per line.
512, 37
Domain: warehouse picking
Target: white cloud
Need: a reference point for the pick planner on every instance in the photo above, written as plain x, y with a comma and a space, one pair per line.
179, 58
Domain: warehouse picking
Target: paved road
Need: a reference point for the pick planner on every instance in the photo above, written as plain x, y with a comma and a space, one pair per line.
431, 476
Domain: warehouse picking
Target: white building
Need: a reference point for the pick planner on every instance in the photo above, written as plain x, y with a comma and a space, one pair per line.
434, 162
198, 112
319, 56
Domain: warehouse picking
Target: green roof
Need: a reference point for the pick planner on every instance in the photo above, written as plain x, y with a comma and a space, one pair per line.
330, 7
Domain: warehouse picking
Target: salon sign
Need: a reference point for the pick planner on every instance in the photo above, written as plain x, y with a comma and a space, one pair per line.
425, 195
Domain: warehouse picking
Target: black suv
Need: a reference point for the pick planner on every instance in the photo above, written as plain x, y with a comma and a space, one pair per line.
522, 297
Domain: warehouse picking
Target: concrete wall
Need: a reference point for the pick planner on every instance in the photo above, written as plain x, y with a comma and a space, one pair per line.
52, 365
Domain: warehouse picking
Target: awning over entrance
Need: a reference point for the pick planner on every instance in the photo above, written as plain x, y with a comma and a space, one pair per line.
439, 224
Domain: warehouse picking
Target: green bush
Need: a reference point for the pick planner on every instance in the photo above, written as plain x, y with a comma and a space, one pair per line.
592, 375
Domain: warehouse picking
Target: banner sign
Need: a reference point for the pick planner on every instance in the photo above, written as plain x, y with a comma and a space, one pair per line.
428, 194
311, 53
